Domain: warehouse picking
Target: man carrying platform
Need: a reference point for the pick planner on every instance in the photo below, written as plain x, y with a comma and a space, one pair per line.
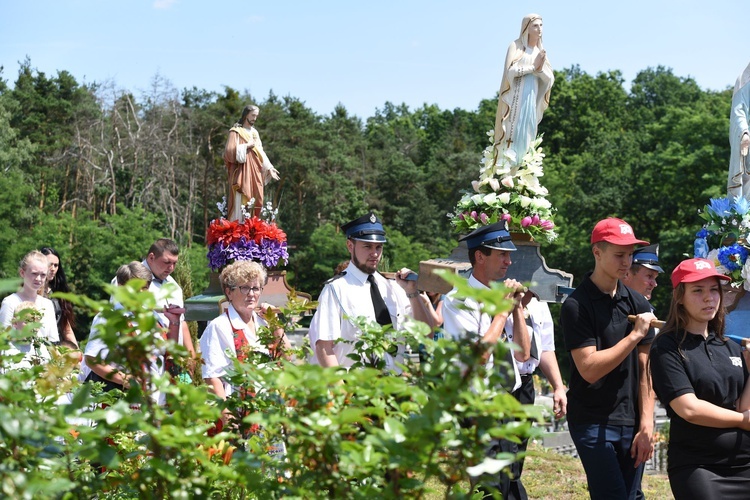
361, 291
610, 401
643, 272
489, 254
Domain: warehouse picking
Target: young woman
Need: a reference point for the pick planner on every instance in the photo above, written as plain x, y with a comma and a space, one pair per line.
33, 271
58, 282
701, 376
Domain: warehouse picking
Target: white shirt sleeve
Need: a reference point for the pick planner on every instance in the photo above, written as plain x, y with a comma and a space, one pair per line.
6, 310
216, 344
326, 322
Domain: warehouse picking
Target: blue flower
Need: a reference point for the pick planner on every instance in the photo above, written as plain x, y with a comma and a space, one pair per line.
732, 257
721, 207
702, 233
741, 205
217, 257
700, 248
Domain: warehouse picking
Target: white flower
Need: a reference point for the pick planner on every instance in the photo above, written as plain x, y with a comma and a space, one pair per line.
525, 201
222, 206
248, 209
511, 156
507, 182
475, 185
713, 256
503, 198
502, 170
477, 199
494, 184
540, 203
490, 199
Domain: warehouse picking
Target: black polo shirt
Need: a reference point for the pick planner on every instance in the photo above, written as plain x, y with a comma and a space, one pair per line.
713, 370
590, 317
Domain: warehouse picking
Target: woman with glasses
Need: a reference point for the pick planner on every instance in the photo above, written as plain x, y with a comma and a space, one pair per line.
236, 332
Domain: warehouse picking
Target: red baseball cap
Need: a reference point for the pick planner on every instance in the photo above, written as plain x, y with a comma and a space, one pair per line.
615, 231
692, 270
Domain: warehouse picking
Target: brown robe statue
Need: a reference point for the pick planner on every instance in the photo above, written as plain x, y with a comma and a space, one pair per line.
248, 170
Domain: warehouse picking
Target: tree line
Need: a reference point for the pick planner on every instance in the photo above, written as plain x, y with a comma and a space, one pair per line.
99, 172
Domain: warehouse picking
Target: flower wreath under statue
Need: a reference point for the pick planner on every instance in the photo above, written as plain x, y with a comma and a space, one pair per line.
508, 190
724, 238
253, 238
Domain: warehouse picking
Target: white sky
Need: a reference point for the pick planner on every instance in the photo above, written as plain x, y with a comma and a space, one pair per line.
363, 53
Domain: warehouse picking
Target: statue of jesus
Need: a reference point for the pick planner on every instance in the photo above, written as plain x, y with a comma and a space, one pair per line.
248, 167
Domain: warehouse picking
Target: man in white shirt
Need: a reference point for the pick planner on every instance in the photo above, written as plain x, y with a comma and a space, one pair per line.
161, 260
489, 254
351, 294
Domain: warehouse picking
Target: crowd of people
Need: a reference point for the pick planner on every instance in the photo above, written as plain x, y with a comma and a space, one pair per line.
616, 353
620, 363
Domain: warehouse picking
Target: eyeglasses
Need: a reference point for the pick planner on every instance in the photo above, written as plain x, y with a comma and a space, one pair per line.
245, 290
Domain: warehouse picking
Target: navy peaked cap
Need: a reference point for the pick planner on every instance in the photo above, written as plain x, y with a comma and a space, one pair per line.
648, 257
492, 236
366, 228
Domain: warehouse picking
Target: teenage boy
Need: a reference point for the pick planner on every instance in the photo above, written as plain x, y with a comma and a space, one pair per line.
610, 404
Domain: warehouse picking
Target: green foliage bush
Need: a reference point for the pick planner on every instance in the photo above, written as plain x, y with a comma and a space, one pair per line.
346, 434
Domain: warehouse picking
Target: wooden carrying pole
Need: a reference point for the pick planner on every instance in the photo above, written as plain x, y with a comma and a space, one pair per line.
655, 323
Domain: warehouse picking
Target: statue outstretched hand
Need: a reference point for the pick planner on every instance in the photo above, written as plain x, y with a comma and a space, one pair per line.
269, 173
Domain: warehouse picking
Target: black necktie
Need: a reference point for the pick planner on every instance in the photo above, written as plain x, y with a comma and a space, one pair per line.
381, 312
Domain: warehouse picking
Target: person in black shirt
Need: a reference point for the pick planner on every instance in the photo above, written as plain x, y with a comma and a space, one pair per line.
702, 378
610, 402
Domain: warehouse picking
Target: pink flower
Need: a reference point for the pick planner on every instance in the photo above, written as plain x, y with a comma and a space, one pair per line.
547, 225
526, 221
507, 181
506, 217
474, 215
483, 217
535, 220
475, 185
462, 216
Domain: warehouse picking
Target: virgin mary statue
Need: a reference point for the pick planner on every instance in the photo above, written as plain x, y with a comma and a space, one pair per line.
524, 92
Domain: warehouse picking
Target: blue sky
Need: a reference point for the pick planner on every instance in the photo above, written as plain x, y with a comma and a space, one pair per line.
362, 54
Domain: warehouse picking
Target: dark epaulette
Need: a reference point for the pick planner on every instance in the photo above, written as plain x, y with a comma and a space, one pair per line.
335, 277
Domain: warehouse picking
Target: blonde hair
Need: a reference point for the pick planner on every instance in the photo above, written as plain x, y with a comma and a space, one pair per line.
243, 271
33, 255
135, 269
